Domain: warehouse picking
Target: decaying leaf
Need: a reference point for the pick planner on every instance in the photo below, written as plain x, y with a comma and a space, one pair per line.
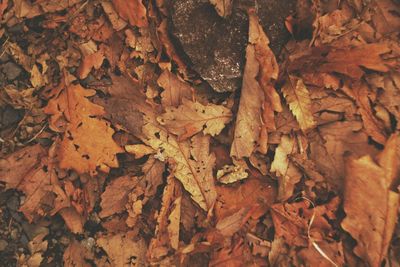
114, 198
37, 247
77, 255
287, 172
292, 221
192, 117
132, 11
195, 174
232, 173
168, 221
298, 98
124, 249
223, 7
258, 99
92, 58
174, 89
79, 150
370, 202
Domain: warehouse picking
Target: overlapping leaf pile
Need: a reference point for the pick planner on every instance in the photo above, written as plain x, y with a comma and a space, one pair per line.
298, 169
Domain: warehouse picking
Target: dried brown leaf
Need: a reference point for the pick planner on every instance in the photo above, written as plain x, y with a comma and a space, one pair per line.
191, 118
80, 150
369, 202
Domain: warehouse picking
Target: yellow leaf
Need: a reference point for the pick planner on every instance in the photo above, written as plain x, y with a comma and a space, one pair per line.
193, 117
298, 98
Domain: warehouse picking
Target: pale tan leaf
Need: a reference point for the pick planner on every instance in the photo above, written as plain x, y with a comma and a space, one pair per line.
195, 174
223, 7
232, 173
298, 98
193, 117
287, 172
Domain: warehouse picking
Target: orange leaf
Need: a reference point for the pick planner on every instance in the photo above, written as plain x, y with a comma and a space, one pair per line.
87, 142
133, 11
370, 204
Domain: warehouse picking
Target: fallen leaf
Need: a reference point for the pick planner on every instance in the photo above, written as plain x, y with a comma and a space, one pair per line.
223, 7
124, 249
116, 21
335, 139
258, 99
385, 16
77, 255
17, 165
132, 11
191, 118
3, 7
291, 221
175, 90
232, 173
79, 150
73, 220
37, 247
370, 202
92, 58
298, 98
195, 174
288, 173
251, 194
373, 127
115, 196
167, 231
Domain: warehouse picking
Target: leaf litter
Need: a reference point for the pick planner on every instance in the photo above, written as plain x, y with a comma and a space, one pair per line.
121, 155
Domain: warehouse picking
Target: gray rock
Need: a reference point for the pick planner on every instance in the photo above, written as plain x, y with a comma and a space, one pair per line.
13, 203
215, 46
11, 70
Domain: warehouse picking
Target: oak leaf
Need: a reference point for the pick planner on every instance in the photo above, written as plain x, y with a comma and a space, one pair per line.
87, 142
36, 178
369, 202
175, 90
298, 98
191, 118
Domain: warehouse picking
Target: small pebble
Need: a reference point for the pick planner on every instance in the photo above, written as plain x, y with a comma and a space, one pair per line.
14, 234
3, 244
11, 70
88, 243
